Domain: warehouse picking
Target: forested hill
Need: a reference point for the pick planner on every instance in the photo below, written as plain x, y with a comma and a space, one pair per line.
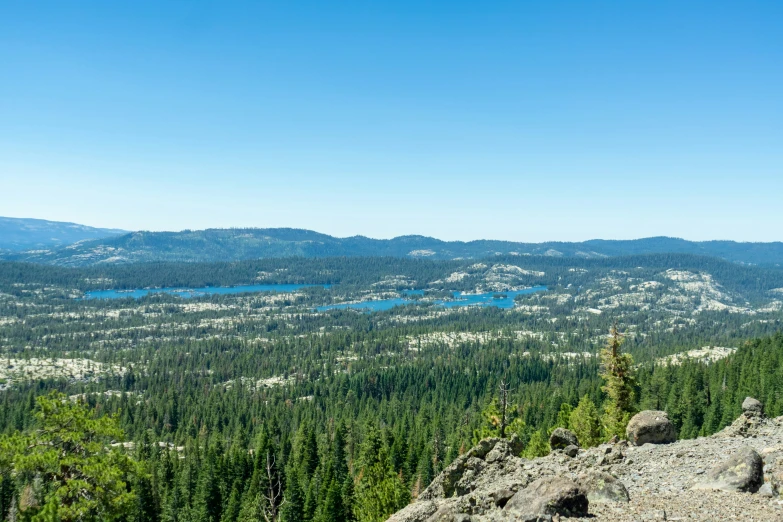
256, 243
17, 234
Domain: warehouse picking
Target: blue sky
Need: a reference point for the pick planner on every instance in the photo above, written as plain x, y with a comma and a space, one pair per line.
526, 121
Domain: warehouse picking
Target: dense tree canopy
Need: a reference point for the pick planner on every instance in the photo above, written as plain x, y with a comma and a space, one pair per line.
359, 449
255, 407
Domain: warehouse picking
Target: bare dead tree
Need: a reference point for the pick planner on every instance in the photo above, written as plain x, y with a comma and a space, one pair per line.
274, 494
503, 391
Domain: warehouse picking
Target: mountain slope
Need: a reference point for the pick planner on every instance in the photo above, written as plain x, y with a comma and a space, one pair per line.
622, 482
255, 243
18, 234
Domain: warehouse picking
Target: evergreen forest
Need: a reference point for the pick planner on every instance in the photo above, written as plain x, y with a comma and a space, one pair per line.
257, 406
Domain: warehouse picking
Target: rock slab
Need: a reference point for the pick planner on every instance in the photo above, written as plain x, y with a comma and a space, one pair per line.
551, 495
743, 471
601, 487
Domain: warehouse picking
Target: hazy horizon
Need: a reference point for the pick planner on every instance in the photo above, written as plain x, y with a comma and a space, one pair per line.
483, 238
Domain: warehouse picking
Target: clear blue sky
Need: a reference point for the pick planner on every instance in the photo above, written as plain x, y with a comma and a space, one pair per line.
512, 120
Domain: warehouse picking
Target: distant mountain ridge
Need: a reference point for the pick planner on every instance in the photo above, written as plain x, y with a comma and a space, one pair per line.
19, 234
255, 243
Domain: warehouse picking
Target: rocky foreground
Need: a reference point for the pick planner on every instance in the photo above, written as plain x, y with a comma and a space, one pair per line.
736, 474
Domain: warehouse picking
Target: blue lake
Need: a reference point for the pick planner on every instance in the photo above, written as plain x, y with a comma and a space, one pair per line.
193, 292
459, 299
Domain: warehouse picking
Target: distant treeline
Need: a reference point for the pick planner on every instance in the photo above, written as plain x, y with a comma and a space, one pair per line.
752, 281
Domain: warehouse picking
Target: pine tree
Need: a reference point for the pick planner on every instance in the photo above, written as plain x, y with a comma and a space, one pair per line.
307, 450
380, 491
618, 375
348, 498
86, 477
563, 416
146, 507
7, 490
208, 502
293, 505
173, 506
331, 509
311, 497
251, 508
538, 445
231, 513
585, 423
166, 470
338, 454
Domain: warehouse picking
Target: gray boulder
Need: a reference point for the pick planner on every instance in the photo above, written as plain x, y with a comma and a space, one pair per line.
561, 438
651, 426
744, 471
571, 451
551, 495
505, 448
752, 407
768, 491
744, 426
459, 478
602, 487
610, 454
773, 470
449, 481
